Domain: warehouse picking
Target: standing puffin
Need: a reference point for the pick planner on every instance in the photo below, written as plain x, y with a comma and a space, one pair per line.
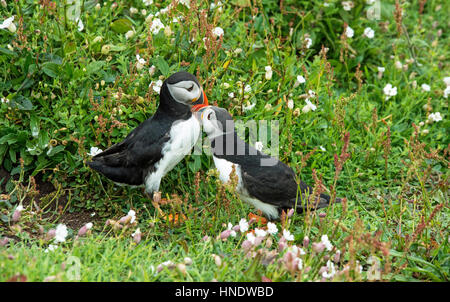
153, 148
263, 181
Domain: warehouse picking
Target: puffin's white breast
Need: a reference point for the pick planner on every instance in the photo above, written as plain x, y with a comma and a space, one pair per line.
183, 136
225, 167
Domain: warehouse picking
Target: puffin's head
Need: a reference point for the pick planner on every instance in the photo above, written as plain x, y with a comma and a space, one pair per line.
185, 89
216, 121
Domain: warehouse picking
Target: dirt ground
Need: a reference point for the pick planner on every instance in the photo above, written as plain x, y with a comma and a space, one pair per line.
73, 220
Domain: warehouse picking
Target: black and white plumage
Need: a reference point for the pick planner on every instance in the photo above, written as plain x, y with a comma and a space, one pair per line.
263, 181
153, 148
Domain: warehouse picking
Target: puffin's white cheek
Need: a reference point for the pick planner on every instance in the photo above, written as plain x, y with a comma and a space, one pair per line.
207, 127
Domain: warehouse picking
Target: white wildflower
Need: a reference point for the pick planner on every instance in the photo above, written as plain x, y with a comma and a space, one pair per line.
299, 264
349, 32
147, 2
157, 25
268, 75
290, 104
94, 151
251, 238
446, 92
132, 213
152, 70
157, 86
326, 242
331, 271
389, 91
426, 87
300, 80
249, 107
369, 32
232, 232
309, 106
9, 24
398, 65
140, 62
308, 42
231, 95
129, 34
97, 39
435, 117
347, 5
272, 228
260, 232
138, 231
243, 225
133, 10
218, 31
247, 88
51, 248
79, 24
287, 235
61, 233
218, 6
381, 69
186, 3
447, 81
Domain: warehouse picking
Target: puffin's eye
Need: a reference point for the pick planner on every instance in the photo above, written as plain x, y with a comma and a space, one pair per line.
209, 116
190, 88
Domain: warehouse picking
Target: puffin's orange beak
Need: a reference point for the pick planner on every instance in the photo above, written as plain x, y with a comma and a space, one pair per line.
199, 106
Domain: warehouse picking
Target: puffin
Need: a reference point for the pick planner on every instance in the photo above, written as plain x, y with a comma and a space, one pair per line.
263, 181
155, 146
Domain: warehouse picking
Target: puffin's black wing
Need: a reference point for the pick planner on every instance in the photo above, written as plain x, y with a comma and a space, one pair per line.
130, 160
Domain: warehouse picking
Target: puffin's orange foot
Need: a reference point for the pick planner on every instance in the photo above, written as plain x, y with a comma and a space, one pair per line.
258, 218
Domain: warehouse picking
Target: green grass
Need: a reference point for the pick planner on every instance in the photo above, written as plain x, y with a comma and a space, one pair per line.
64, 91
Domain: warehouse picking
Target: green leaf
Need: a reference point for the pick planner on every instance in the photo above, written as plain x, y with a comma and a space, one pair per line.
69, 47
43, 139
21, 102
9, 138
121, 26
119, 47
51, 69
27, 83
12, 155
55, 150
34, 125
162, 65
241, 3
94, 67
7, 52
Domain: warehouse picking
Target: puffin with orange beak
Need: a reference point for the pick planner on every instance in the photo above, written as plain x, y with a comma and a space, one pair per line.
153, 148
